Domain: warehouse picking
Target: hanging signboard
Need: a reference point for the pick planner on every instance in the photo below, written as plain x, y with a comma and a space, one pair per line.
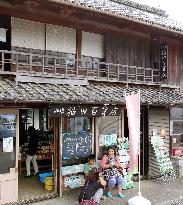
163, 61
85, 110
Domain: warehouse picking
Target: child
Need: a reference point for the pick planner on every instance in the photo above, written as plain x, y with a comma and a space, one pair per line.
93, 188
90, 165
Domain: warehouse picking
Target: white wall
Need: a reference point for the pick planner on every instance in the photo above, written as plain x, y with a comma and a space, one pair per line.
28, 34
60, 39
92, 44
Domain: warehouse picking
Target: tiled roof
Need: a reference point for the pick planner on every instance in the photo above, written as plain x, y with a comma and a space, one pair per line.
10, 91
131, 10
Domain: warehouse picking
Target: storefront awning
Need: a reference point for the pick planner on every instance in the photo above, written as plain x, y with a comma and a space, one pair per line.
94, 92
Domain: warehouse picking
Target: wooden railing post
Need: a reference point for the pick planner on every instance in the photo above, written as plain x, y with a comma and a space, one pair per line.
87, 69
43, 64
77, 66
98, 65
136, 70
152, 75
55, 65
17, 62
65, 68
2, 60
30, 62
118, 72
108, 71
127, 73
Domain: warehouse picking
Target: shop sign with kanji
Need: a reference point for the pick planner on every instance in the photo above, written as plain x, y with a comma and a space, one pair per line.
85, 110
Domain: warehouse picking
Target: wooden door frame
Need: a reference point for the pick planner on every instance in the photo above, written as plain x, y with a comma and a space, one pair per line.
146, 142
56, 159
145, 138
60, 189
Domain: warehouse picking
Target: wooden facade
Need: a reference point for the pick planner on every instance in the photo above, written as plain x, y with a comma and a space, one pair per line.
129, 53
47, 41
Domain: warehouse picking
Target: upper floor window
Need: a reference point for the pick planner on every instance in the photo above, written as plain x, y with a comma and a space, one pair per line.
30, 34
92, 50
92, 45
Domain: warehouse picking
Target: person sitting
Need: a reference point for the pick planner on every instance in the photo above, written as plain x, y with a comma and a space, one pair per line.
111, 165
93, 188
32, 149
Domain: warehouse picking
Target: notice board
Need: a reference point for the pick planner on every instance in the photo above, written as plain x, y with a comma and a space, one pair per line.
76, 145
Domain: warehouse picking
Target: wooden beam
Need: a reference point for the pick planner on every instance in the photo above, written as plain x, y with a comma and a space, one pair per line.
47, 16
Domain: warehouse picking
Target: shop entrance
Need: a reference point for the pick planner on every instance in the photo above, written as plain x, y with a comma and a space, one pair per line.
40, 183
144, 141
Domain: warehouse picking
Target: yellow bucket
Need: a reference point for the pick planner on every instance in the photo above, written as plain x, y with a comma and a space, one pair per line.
49, 183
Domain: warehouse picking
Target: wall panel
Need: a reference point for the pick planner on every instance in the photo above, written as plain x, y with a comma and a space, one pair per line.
92, 45
28, 34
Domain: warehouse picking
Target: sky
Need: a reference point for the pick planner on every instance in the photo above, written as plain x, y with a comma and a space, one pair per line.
173, 7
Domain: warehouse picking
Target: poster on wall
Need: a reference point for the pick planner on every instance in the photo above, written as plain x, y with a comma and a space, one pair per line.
108, 140
8, 144
7, 131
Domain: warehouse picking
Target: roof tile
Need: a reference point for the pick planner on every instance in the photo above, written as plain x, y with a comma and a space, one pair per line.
92, 93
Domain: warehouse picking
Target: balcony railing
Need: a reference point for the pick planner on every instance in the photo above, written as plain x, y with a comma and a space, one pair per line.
59, 67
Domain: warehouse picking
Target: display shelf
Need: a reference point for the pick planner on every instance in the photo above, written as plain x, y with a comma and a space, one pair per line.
167, 173
72, 176
44, 153
123, 149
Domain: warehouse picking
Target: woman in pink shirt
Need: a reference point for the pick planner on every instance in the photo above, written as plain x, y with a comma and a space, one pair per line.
111, 164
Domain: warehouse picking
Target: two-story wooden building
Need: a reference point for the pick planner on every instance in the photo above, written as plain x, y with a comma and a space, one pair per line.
66, 66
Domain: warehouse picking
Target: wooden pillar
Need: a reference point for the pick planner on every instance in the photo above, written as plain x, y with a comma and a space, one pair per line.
78, 49
61, 183
96, 137
122, 123
56, 153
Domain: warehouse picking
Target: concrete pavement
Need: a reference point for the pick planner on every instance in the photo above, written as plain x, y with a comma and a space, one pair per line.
153, 190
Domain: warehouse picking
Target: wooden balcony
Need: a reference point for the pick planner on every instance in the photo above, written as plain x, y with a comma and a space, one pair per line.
30, 64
